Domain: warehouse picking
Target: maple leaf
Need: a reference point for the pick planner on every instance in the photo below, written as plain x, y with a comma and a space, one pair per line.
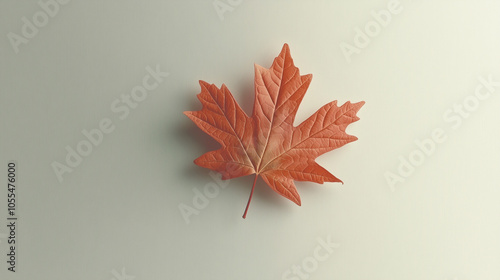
267, 143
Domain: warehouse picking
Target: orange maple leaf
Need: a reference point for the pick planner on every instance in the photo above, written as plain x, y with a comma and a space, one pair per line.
267, 143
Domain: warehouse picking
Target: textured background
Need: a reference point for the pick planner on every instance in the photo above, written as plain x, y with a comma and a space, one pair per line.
116, 214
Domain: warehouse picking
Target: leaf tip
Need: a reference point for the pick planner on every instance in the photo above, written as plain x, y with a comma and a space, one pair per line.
307, 78
189, 114
284, 54
296, 199
359, 104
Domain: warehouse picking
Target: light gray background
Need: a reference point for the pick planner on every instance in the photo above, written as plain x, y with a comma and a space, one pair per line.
118, 210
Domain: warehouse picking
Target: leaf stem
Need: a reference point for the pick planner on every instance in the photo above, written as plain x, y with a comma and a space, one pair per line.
250, 198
